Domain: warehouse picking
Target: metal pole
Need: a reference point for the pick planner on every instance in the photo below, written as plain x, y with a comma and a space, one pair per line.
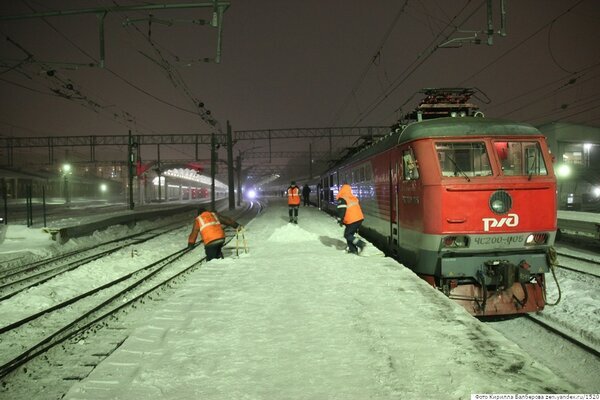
239, 180
213, 166
130, 156
310, 161
67, 199
158, 171
29, 203
230, 182
490, 21
5, 198
44, 203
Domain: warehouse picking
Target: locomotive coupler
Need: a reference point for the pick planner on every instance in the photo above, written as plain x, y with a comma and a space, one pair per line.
503, 274
499, 273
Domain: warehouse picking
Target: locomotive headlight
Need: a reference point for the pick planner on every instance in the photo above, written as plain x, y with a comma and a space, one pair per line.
500, 202
536, 239
498, 206
461, 241
455, 241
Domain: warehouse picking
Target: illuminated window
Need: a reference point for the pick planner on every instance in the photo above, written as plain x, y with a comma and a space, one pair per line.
409, 165
521, 158
467, 159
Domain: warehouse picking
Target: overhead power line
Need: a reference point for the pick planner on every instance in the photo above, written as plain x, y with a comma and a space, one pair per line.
370, 63
410, 69
520, 43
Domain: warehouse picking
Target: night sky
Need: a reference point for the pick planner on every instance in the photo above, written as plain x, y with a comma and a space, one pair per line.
292, 64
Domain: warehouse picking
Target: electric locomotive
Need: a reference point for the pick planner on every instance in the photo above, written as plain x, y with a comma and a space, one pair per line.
468, 203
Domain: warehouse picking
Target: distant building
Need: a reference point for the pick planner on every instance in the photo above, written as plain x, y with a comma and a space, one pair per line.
573, 143
576, 149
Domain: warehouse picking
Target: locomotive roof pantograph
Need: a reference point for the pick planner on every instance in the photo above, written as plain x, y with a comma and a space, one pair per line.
444, 112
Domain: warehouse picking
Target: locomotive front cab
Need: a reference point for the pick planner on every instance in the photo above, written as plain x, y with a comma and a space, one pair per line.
490, 218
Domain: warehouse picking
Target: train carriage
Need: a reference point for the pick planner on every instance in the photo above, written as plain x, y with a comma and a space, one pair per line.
468, 203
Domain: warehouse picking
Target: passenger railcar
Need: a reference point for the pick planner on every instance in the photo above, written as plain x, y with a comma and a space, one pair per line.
468, 203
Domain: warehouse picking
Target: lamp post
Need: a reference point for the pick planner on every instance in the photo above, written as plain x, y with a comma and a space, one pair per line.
238, 160
66, 170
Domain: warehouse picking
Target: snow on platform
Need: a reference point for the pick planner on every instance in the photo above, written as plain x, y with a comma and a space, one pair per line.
298, 318
579, 223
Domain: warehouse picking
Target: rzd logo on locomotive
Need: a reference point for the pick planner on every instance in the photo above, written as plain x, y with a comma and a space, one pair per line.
511, 221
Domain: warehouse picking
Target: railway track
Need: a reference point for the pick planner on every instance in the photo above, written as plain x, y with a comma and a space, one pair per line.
18, 279
87, 309
586, 265
79, 316
587, 347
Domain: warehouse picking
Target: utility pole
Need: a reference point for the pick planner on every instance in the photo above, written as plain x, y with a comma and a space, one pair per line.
239, 180
230, 183
310, 161
213, 167
158, 172
130, 160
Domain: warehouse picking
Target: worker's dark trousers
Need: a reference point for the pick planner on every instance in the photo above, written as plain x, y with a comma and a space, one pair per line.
214, 249
293, 211
349, 233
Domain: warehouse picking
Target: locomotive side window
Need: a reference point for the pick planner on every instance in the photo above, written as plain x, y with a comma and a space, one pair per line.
521, 158
409, 166
463, 159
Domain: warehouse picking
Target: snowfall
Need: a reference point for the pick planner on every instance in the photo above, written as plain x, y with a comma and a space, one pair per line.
296, 317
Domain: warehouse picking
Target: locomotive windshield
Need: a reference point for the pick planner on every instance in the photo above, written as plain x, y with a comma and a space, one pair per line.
521, 158
463, 159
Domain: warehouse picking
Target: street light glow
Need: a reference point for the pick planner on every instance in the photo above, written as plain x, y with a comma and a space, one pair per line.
563, 171
66, 168
103, 187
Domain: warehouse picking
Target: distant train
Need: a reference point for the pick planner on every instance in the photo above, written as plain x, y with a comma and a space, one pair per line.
468, 203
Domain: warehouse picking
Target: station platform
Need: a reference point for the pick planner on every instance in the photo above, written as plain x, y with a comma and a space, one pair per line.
299, 318
84, 219
584, 224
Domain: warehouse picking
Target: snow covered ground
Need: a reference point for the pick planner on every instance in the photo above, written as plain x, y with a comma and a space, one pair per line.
298, 318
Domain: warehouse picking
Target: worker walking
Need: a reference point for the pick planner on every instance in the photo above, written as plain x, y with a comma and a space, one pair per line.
306, 195
293, 195
350, 215
209, 225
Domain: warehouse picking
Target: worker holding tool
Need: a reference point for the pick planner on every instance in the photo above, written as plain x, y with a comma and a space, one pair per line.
209, 225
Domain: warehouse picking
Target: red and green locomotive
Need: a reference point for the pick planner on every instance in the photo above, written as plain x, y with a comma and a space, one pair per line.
466, 202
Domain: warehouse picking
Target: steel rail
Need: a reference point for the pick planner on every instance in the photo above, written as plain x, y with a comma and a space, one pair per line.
79, 325
563, 335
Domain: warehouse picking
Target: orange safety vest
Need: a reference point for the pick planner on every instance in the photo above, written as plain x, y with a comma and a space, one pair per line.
209, 227
293, 196
353, 211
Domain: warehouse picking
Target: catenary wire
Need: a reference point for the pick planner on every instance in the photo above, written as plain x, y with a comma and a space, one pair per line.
408, 71
369, 64
493, 62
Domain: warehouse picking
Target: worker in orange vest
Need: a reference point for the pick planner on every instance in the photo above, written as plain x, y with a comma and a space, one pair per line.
350, 215
208, 224
293, 195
